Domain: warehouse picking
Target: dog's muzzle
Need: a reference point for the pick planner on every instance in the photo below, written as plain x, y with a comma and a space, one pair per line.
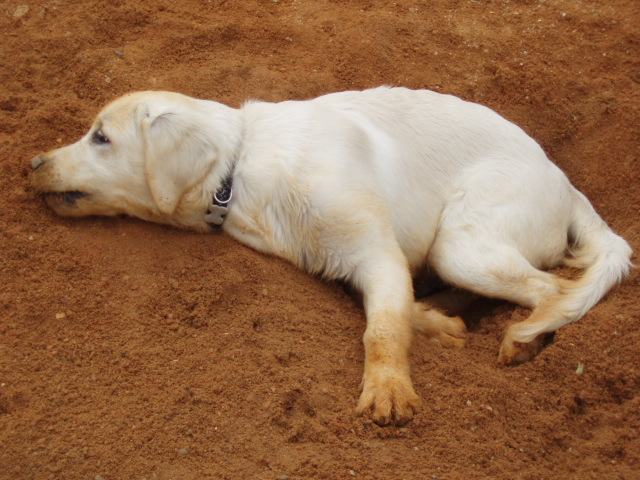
37, 162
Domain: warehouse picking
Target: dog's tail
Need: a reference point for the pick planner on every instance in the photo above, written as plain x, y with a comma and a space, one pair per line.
605, 259
604, 256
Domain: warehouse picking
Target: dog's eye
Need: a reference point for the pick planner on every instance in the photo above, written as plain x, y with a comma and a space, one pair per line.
100, 138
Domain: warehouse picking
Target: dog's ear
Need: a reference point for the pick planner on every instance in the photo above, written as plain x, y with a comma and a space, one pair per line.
178, 153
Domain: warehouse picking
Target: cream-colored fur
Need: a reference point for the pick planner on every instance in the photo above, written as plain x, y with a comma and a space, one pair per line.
369, 187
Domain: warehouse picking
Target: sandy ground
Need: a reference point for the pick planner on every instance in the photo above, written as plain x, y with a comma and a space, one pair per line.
130, 350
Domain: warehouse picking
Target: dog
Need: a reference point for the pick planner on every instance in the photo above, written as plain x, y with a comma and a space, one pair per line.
367, 187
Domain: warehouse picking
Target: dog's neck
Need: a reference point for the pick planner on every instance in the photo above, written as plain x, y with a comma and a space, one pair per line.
225, 128
221, 197
220, 202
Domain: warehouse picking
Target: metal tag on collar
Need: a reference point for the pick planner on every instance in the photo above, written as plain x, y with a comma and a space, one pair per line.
218, 208
216, 214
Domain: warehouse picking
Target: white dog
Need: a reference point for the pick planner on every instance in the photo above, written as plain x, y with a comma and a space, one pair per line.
369, 187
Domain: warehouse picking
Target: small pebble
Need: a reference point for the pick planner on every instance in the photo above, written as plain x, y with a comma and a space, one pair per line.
61, 315
21, 11
183, 451
120, 53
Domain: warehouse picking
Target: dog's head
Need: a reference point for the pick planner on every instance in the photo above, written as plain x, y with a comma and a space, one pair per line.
152, 155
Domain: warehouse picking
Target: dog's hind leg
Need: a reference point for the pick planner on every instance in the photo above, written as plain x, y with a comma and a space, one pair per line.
492, 247
491, 269
524, 339
481, 265
605, 259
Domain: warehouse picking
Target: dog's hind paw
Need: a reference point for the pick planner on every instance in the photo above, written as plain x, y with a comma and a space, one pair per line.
449, 332
513, 353
450, 341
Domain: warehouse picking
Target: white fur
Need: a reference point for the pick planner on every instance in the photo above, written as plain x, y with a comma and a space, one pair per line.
368, 187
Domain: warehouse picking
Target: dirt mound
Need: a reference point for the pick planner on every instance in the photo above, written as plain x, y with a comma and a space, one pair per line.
130, 350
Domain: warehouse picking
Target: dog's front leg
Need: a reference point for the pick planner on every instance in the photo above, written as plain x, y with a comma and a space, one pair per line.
387, 393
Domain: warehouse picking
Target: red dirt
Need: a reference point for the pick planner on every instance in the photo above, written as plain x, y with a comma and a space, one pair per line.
188, 356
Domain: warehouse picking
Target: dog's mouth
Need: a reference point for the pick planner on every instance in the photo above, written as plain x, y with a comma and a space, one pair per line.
69, 197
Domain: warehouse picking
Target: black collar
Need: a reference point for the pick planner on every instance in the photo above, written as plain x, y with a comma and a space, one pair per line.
220, 203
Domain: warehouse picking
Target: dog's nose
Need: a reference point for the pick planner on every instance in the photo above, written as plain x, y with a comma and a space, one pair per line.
37, 162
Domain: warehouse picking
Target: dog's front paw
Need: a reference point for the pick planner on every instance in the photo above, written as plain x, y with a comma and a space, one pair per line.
388, 400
